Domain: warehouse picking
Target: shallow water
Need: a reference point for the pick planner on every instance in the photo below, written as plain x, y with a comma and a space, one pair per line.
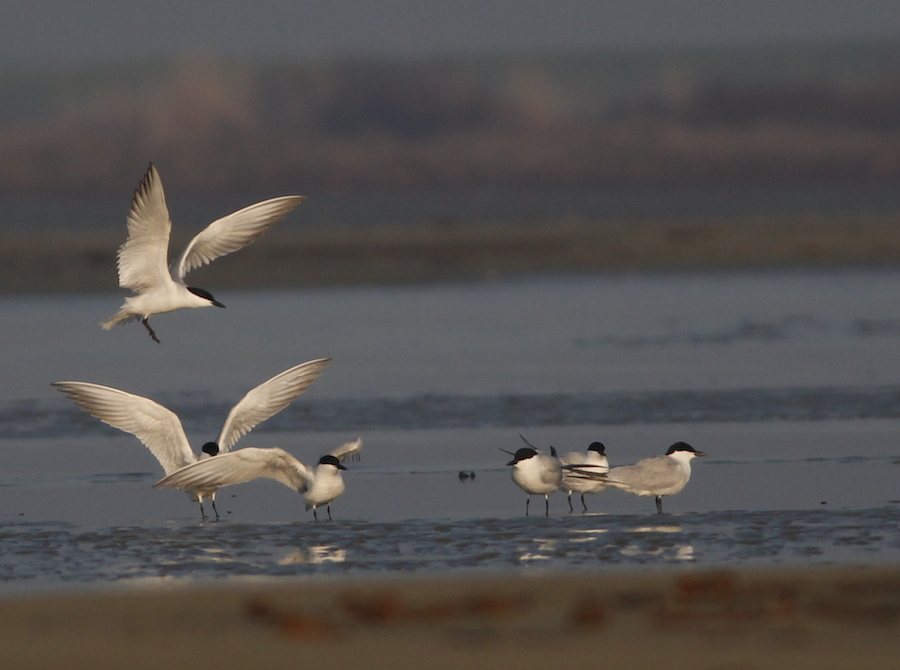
785, 379
62, 552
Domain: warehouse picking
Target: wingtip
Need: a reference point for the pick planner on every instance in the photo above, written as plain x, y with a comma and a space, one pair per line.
527, 442
150, 177
291, 202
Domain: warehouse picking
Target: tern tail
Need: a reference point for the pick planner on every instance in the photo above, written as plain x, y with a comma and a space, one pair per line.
118, 319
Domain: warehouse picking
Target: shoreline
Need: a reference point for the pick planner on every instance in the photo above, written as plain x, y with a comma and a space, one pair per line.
66, 261
777, 618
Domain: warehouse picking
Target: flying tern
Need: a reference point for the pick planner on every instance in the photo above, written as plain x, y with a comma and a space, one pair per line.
160, 430
594, 460
657, 476
143, 258
319, 485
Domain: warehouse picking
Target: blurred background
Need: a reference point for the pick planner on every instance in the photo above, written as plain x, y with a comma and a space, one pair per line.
453, 119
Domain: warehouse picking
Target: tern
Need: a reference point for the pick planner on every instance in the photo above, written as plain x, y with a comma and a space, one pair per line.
657, 476
160, 430
536, 473
143, 259
594, 460
319, 485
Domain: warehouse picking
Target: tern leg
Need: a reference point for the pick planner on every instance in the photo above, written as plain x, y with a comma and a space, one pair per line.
571, 509
583, 504
149, 329
659, 505
214, 508
547, 505
202, 512
329, 511
527, 502
315, 516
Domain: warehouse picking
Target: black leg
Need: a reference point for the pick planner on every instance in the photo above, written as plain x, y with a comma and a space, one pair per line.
214, 508
547, 505
583, 504
659, 505
527, 503
571, 509
149, 329
315, 516
329, 511
202, 512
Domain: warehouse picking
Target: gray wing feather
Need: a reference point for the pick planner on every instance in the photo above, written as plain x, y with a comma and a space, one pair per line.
143, 259
241, 466
347, 450
650, 474
233, 232
158, 428
550, 471
268, 399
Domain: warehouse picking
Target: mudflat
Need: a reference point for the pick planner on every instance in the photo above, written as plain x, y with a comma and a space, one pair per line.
69, 261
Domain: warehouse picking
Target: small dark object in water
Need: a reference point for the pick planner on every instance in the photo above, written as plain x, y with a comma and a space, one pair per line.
466, 474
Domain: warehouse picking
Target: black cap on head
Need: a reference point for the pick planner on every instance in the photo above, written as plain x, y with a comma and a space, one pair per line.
203, 293
210, 448
598, 447
328, 459
522, 454
682, 446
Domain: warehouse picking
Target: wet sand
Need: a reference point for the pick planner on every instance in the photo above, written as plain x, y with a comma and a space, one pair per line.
294, 257
821, 618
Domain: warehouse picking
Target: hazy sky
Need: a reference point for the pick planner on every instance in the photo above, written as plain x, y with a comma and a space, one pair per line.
76, 31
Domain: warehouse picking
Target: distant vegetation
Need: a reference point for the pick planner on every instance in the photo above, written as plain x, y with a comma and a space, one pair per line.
803, 113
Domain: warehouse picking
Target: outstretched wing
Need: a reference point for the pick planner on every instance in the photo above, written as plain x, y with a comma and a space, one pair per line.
158, 428
142, 260
347, 450
233, 232
268, 399
240, 466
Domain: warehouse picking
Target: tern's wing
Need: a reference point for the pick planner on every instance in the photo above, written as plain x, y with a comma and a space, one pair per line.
268, 399
155, 426
529, 444
233, 232
650, 474
142, 259
347, 450
240, 466
573, 457
550, 471
583, 471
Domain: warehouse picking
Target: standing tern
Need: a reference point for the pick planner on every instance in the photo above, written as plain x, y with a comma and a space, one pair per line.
160, 430
657, 476
319, 485
536, 473
143, 259
594, 460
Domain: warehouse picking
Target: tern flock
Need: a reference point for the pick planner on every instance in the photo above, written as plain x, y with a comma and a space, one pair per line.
159, 287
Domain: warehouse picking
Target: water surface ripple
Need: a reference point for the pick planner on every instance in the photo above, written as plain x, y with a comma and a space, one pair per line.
43, 419
50, 553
